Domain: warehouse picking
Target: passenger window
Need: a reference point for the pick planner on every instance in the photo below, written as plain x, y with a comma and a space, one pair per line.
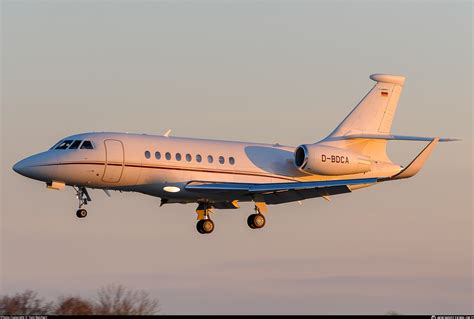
178, 156
210, 159
87, 145
168, 156
221, 159
157, 155
75, 145
188, 157
231, 161
147, 154
64, 145
198, 158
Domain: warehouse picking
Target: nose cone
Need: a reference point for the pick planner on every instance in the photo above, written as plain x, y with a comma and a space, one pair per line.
26, 167
33, 167
19, 167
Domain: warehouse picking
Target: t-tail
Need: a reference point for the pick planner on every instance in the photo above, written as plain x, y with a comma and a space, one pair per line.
364, 133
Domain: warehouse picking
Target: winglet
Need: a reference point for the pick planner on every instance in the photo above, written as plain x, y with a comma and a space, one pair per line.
418, 162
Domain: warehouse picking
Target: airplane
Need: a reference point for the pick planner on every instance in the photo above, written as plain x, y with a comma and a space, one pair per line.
218, 174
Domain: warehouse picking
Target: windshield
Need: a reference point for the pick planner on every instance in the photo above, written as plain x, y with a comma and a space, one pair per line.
64, 144
73, 145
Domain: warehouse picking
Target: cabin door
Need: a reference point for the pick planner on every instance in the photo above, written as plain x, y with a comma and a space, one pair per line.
114, 161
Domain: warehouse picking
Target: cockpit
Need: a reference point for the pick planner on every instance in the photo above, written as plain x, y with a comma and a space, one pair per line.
73, 145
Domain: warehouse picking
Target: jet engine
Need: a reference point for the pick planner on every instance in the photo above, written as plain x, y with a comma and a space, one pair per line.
329, 160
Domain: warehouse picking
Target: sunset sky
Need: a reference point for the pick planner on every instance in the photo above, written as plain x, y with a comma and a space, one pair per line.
263, 71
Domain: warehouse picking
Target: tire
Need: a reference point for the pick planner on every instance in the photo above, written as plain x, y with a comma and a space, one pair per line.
250, 221
199, 227
81, 213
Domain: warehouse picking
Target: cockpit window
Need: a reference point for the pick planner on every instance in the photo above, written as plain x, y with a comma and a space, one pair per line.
75, 145
87, 145
64, 144
55, 145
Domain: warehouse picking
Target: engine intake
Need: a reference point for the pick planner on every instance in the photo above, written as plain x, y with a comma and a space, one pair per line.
328, 160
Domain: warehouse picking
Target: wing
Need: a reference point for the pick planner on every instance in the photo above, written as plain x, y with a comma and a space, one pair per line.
275, 193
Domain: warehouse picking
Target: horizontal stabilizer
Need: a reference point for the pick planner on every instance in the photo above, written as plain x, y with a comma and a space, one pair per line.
392, 137
414, 167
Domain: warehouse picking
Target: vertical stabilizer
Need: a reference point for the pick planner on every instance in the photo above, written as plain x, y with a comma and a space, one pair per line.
373, 115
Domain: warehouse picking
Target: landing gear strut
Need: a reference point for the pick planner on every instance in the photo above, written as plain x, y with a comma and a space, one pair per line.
205, 225
83, 196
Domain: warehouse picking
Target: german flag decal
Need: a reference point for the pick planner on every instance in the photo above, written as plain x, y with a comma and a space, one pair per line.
384, 93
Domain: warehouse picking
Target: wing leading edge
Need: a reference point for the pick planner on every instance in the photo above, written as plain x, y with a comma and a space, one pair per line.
276, 193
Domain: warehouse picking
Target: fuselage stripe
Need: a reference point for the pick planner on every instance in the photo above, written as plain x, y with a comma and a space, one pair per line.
173, 168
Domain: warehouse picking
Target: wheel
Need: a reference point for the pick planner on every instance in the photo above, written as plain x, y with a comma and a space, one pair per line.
205, 226
81, 213
256, 221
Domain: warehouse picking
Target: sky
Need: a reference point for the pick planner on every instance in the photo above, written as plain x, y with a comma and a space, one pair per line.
262, 71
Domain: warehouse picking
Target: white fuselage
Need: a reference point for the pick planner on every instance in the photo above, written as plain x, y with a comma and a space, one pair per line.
161, 166
218, 174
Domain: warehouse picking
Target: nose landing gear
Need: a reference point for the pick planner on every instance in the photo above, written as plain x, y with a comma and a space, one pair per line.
83, 196
81, 213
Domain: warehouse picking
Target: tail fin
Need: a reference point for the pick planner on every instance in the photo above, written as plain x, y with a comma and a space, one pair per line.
373, 115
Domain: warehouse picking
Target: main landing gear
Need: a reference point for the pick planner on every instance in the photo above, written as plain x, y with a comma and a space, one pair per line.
257, 220
83, 196
205, 225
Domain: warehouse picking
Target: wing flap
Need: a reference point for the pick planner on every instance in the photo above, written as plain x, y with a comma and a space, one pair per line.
276, 193
271, 187
260, 188
293, 196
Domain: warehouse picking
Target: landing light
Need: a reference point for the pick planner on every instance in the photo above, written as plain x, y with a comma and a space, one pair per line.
171, 189
55, 185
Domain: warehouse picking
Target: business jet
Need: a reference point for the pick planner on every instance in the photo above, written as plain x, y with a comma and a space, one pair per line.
217, 174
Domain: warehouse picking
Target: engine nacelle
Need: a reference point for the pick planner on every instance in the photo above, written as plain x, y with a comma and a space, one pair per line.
328, 160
